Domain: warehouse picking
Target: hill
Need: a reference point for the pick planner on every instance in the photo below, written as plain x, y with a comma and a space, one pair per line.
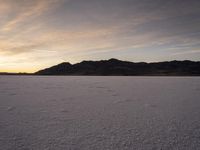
124, 68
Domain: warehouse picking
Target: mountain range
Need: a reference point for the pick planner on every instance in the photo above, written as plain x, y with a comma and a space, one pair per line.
115, 67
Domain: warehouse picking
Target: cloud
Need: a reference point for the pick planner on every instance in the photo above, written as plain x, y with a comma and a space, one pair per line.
187, 52
27, 10
21, 49
75, 29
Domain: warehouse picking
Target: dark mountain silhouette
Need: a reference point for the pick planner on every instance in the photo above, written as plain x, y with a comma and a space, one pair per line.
125, 68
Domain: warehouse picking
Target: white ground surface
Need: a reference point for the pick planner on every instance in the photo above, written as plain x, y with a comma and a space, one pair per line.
99, 113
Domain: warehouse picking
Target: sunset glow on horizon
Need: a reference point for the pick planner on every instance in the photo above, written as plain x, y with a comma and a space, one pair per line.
35, 34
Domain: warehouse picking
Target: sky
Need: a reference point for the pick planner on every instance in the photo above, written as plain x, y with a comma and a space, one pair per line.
35, 34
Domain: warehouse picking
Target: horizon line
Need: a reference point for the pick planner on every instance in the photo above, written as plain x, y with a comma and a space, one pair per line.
22, 72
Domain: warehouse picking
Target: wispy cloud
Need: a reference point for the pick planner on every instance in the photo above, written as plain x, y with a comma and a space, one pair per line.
187, 52
50, 31
27, 10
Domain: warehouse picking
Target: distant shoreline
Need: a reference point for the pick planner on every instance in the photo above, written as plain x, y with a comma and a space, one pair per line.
35, 75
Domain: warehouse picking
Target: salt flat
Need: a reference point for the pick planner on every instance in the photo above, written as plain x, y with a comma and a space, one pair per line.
99, 113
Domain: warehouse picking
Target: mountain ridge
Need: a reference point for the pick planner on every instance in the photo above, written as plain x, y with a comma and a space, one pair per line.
117, 67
